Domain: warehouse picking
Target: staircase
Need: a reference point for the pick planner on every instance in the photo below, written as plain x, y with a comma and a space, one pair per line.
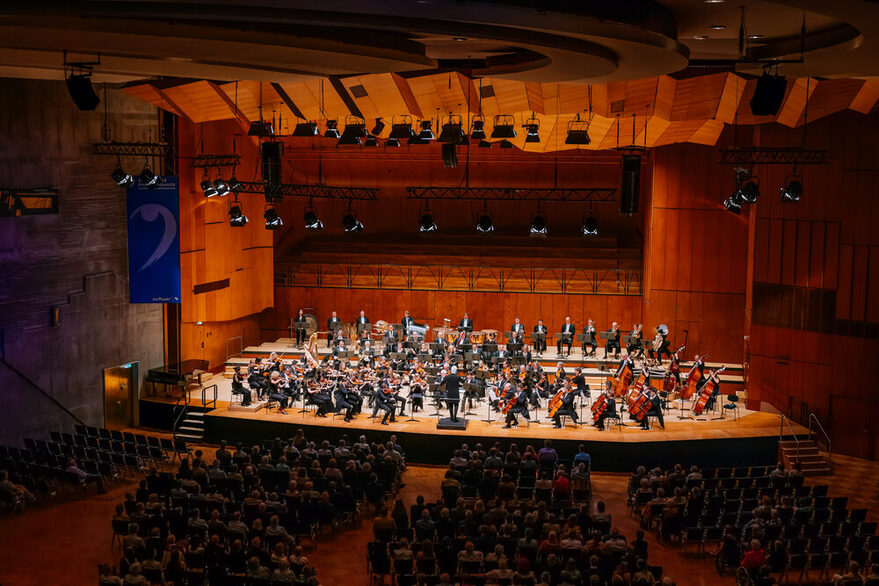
190, 425
812, 461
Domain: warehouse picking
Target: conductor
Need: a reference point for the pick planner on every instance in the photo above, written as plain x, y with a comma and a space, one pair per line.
452, 383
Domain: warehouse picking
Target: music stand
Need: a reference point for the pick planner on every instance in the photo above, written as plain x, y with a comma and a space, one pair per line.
437, 347
467, 329
538, 337
465, 348
398, 356
514, 347
565, 338
488, 419
468, 388
363, 330
471, 357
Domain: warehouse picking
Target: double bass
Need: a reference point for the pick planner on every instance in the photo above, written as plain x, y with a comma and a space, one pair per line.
707, 391
637, 388
621, 383
693, 378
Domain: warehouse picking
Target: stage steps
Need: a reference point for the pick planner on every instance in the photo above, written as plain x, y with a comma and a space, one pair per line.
191, 426
812, 461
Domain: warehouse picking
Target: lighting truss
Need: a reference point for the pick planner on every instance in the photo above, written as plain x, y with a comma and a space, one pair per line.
746, 156
212, 161
596, 194
317, 191
132, 149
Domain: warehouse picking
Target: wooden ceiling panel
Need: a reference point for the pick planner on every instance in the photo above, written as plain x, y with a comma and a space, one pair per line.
654, 128
450, 93
630, 128
679, 131
565, 98
830, 96
866, 97
511, 96
247, 96
698, 97
534, 93
708, 133
367, 104
665, 96
635, 96
733, 89
424, 90
200, 101
793, 106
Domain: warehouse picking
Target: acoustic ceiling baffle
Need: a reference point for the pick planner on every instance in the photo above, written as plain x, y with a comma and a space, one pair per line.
313, 191
595, 194
748, 156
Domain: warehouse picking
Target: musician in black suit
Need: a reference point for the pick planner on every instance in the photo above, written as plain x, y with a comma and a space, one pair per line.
238, 387
466, 322
567, 407
540, 345
341, 394
361, 321
519, 408
383, 400
655, 408
611, 410
517, 330
589, 343
406, 321
300, 325
613, 341
661, 345
636, 344
567, 328
579, 384
452, 384
331, 323
711, 376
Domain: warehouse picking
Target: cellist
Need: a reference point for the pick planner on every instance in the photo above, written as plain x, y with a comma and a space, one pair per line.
655, 408
610, 407
567, 407
519, 406
713, 375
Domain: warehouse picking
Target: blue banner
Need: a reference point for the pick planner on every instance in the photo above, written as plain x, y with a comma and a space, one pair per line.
154, 242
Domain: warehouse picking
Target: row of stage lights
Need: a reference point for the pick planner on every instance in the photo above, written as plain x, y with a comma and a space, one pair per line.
747, 190
452, 131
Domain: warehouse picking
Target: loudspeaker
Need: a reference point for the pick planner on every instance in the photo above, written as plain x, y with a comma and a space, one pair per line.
768, 95
80, 89
271, 166
630, 185
450, 155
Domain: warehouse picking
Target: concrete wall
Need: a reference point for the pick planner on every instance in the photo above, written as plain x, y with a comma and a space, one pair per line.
76, 260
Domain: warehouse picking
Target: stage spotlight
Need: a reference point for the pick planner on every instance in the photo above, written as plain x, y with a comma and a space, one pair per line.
379, 127
532, 126
237, 219
148, 178
273, 220
750, 191
485, 144
452, 130
505, 144
332, 130
370, 141
415, 139
589, 226
312, 222
392, 142
426, 133
733, 204
222, 187
538, 226
235, 186
426, 223
578, 132
351, 223
484, 225
353, 133
207, 187
403, 128
120, 177
793, 189
477, 132
261, 128
305, 129
503, 127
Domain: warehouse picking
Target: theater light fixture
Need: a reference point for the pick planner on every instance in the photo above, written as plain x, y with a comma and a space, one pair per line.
793, 189
485, 144
505, 144
733, 204
305, 129
503, 126
538, 225
379, 126
747, 186
78, 76
207, 187
589, 227
426, 133
222, 187
452, 131
426, 222
350, 222
532, 128
237, 219
235, 186
332, 130
148, 178
261, 128
402, 129
578, 132
370, 141
392, 142
120, 177
477, 130
355, 131
312, 222
484, 224
273, 220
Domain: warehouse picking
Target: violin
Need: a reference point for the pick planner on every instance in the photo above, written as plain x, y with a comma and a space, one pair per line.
707, 391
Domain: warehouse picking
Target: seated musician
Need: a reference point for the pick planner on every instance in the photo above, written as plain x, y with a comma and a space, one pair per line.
406, 322
498, 393
239, 388
655, 407
275, 393
613, 341
382, 400
367, 354
611, 410
416, 395
318, 395
636, 343
626, 360
473, 388
517, 330
340, 348
362, 320
333, 322
520, 407
255, 377
540, 345
589, 343
569, 329
567, 407
560, 373
579, 383
712, 400
341, 394
540, 389
661, 345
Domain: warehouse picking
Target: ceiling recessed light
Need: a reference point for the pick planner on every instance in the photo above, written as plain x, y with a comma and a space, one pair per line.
460, 39
701, 37
755, 36
718, 27
714, 1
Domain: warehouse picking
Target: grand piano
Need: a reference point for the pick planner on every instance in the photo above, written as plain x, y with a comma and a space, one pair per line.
178, 374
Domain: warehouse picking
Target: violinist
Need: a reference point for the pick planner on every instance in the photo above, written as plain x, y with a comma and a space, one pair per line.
559, 373
518, 406
382, 400
416, 394
613, 341
275, 394
540, 390
300, 325
517, 331
610, 411
636, 341
567, 407
579, 383
255, 377
655, 407
589, 338
342, 394
540, 344
473, 388
238, 387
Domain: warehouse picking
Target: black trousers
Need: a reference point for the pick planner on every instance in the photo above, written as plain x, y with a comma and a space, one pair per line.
561, 342
663, 349
637, 347
246, 396
656, 413
591, 346
453, 407
557, 418
300, 337
342, 405
540, 345
612, 345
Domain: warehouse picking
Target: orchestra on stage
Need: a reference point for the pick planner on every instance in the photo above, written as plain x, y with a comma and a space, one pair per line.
452, 368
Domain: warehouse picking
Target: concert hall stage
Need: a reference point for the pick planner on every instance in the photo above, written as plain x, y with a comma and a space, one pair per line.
750, 439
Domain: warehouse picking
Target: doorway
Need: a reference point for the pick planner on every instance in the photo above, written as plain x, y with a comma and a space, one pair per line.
119, 385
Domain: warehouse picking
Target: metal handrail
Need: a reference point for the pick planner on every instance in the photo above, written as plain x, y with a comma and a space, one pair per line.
184, 398
212, 402
785, 420
826, 436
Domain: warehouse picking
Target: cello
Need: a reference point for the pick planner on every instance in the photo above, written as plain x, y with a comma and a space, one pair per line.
693, 378
621, 382
637, 387
555, 403
707, 391
598, 407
